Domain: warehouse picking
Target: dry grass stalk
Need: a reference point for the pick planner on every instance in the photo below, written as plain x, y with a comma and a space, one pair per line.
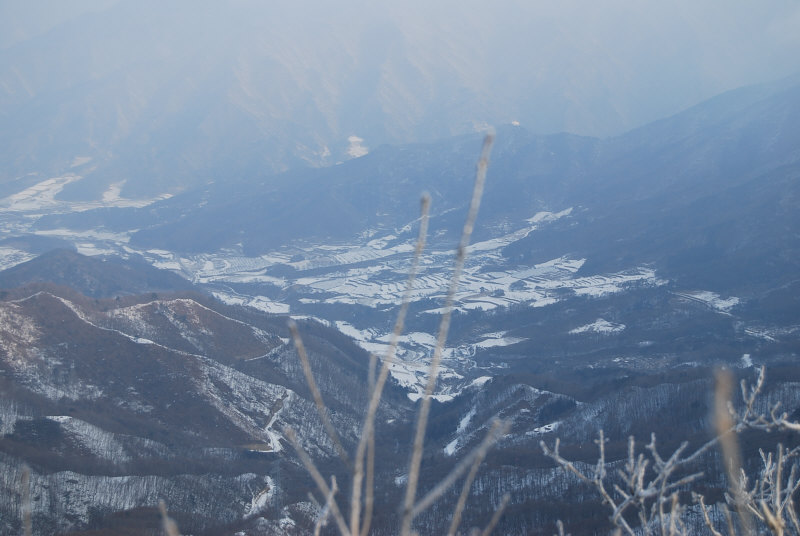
651, 484
322, 409
497, 515
368, 429
322, 520
366, 446
318, 480
365, 451
168, 524
462, 498
369, 500
496, 431
732, 457
370, 485
444, 326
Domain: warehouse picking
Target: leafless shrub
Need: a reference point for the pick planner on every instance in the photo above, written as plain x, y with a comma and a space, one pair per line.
770, 497
648, 487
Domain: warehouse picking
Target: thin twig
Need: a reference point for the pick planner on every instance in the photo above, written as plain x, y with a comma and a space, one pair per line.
596, 479
312, 385
462, 499
168, 524
318, 479
496, 431
703, 508
444, 326
368, 429
497, 514
730, 447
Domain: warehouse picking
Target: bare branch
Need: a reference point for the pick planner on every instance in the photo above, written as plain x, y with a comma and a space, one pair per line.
444, 326
312, 385
498, 430
497, 514
368, 429
315, 474
168, 524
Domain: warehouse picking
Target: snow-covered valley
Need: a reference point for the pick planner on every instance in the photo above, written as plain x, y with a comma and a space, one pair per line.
601, 291
370, 272
325, 280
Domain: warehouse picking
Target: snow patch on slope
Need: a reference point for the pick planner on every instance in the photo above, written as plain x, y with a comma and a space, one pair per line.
547, 217
245, 400
261, 303
19, 333
356, 147
41, 197
711, 299
38, 196
11, 257
599, 326
261, 499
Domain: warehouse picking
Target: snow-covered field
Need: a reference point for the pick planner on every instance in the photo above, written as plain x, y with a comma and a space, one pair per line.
41, 198
371, 271
374, 274
599, 326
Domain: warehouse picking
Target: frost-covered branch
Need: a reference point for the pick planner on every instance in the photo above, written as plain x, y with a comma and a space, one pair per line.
648, 485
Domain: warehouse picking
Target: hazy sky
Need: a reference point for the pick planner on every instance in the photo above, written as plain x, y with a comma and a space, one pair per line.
599, 67
295, 80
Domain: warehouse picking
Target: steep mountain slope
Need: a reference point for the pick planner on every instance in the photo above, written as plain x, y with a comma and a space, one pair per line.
717, 164
707, 196
117, 403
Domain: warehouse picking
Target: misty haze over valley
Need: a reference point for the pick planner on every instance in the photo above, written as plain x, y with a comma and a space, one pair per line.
181, 181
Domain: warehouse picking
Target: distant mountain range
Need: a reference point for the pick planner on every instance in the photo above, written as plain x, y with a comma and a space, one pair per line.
606, 280
157, 99
706, 196
96, 278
